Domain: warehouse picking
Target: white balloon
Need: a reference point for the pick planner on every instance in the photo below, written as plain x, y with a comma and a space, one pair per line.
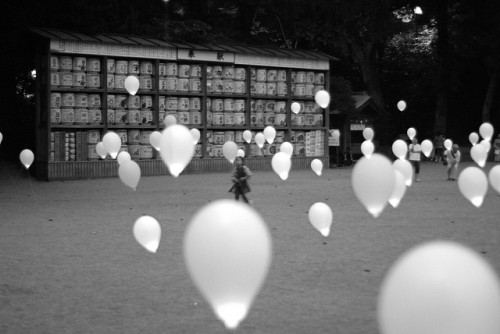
260, 139
320, 216
372, 181
281, 164
247, 136
405, 167
317, 166
228, 250
27, 157
399, 189
322, 97
229, 150
240, 153
1, 137
439, 287
101, 151
130, 173
196, 135
176, 148
448, 143
368, 133
494, 178
287, 148
367, 148
427, 147
486, 130
473, 138
169, 120
155, 139
122, 157
269, 134
112, 143
295, 107
147, 232
411, 132
132, 84
479, 154
335, 134
486, 144
400, 148
473, 185
401, 105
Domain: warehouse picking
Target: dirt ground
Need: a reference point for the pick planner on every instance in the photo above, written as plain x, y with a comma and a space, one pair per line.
69, 262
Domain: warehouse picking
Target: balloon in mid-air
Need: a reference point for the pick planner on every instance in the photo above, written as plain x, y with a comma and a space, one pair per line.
27, 157
147, 232
320, 216
317, 166
132, 84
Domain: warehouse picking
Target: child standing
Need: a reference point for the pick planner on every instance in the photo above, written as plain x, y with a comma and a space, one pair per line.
415, 154
452, 158
239, 176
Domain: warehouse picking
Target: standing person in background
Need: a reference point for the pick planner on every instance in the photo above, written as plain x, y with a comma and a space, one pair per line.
438, 147
415, 156
452, 158
239, 176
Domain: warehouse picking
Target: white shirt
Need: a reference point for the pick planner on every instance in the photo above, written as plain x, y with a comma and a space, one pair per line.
415, 152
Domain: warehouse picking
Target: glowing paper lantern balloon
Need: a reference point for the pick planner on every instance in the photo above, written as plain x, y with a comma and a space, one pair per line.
473, 138
196, 135
155, 139
130, 173
101, 151
317, 166
247, 136
486, 130
260, 139
479, 154
229, 150
229, 283
439, 287
426, 147
286, 147
176, 148
240, 153
27, 157
399, 148
295, 107
269, 134
281, 164
112, 143
147, 232
401, 105
486, 144
448, 143
411, 132
169, 120
494, 178
399, 189
320, 216
322, 97
368, 133
473, 185
405, 167
367, 148
373, 181
132, 84
122, 157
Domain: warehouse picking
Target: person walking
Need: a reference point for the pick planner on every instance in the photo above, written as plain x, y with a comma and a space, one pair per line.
239, 177
452, 159
438, 147
415, 156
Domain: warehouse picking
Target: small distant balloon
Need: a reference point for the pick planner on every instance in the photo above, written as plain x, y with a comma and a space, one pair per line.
494, 178
122, 157
479, 154
132, 84
367, 148
486, 130
368, 133
427, 147
411, 132
112, 143
1, 137
399, 189
473, 185
405, 167
247, 136
101, 151
473, 138
240, 153
130, 173
295, 107
322, 97
287, 148
401, 105
176, 148
269, 134
399, 148
196, 135
155, 139
320, 216
281, 164
147, 232
448, 143
229, 150
27, 157
260, 139
317, 166
169, 120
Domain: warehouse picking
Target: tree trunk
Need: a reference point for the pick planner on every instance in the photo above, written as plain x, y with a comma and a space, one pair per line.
490, 94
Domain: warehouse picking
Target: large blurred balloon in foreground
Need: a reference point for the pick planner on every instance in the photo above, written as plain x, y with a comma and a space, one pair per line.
147, 232
123, 156
176, 148
473, 185
27, 157
130, 173
405, 167
281, 164
494, 178
320, 216
228, 250
439, 287
399, 189
373, 181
